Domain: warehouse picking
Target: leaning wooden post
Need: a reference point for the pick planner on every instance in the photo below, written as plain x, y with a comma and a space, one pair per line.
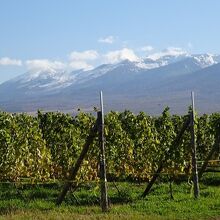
152, 181
212, 151
193, 143
103, 179
175, 143
75, 169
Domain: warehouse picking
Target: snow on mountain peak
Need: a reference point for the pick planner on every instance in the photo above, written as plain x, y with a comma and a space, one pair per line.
147, 64
165, 57
82, 76
45, 74
205, 60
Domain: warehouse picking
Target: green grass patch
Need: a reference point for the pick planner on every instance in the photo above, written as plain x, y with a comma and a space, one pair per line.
38, 201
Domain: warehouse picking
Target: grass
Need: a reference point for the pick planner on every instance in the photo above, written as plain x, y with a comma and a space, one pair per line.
38, 201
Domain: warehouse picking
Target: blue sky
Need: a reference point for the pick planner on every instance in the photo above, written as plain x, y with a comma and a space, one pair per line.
86, 33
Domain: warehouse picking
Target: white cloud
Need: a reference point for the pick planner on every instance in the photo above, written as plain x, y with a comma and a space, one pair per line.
76, 65
89, 59
80, 60
6, 61
84, 55
170, 51
147, 48
119, 55
44, 64
107, 40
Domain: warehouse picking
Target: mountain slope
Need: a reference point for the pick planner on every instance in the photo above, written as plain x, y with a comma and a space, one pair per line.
147, 85
125, 79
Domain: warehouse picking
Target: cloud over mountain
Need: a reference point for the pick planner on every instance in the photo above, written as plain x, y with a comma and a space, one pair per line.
90, 59
119, 55
81, 60
170, 51
108, 40
147, 48
44, 64
6, 61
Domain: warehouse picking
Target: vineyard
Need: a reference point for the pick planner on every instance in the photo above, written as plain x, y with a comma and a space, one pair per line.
44, 147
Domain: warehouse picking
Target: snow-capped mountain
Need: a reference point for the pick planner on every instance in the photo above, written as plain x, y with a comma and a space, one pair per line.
43, 79
62, 89
205, 60
52, 79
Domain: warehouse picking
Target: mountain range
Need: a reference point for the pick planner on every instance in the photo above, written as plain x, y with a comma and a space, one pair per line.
147, 85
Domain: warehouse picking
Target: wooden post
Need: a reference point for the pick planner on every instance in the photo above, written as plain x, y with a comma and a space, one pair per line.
171, 188
175, 143
193, 143
212, 151
75, 169
103, 179
152, 181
